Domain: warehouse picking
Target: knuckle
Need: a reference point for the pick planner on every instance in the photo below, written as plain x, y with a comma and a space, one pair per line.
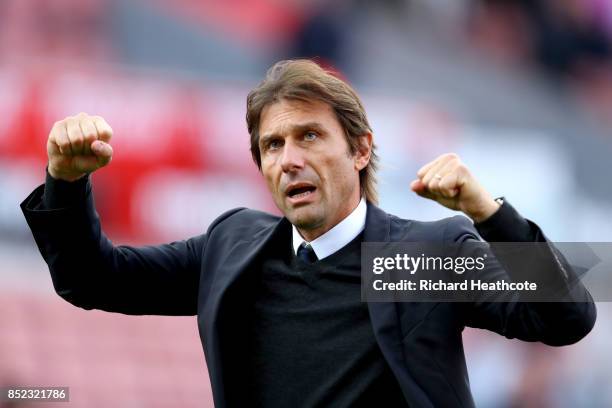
452, 155
89, 136
75, 135
108, 133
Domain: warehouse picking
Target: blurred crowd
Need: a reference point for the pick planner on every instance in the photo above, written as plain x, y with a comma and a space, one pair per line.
569, 40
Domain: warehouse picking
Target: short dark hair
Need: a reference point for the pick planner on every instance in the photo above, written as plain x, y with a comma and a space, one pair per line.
305, 80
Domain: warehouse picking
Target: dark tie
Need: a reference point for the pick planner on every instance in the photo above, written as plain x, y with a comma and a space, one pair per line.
306, 253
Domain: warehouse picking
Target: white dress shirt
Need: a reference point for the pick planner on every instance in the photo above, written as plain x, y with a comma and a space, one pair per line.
337, 237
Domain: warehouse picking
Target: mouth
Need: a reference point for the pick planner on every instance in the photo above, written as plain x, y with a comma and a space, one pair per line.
300, 192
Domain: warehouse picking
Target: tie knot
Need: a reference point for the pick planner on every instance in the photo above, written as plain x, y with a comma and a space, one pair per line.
306, 253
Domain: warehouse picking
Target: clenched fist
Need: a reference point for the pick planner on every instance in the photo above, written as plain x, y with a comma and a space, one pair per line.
78, 145
448, 181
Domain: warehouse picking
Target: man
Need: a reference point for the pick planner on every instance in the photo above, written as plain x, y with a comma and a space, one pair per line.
278, 299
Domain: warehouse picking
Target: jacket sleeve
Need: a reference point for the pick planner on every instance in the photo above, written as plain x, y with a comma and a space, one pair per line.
90, 272
555, 323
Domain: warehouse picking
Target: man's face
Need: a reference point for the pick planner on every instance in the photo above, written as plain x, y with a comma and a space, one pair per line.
306, 162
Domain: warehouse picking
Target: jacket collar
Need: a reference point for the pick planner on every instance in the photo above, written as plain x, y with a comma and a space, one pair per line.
377, 229
243, 255
378, 225
384, 316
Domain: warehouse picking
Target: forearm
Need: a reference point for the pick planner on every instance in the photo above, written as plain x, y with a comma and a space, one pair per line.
59, 194
90, 272
560, 312
64, 229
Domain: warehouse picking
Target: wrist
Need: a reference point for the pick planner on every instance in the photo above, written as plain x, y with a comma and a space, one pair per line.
59, 176
484, 211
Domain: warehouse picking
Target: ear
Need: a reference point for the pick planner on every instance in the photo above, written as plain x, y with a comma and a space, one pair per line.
364, 151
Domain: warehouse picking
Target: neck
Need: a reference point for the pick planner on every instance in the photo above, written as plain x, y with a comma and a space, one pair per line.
311, 234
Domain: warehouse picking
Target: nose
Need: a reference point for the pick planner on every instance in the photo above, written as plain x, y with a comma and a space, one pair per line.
292, 158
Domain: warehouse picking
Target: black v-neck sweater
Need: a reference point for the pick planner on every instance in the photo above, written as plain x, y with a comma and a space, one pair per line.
310, 342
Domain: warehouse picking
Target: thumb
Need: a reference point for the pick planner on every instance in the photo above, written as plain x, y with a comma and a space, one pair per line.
417, 186
103, 152
421, 189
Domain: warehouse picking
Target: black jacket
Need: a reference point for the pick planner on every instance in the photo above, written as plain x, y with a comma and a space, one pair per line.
422, 342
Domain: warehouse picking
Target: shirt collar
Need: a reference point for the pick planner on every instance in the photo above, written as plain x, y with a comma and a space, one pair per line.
337, 237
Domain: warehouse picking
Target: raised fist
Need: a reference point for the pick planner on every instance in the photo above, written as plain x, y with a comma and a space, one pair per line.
448, 181
78, 145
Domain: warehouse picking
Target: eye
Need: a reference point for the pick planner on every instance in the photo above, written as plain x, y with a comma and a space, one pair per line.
273, 144
310, 136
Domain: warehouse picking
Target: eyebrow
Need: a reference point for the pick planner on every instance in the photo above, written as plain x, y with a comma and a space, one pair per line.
301, 128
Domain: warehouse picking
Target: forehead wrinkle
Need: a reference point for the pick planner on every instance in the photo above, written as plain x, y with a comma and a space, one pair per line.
293, 129
279, 123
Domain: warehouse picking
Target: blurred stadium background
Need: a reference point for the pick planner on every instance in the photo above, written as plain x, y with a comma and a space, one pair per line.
522, 89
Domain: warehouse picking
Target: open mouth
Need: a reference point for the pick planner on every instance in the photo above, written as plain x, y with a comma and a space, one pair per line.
300, 191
